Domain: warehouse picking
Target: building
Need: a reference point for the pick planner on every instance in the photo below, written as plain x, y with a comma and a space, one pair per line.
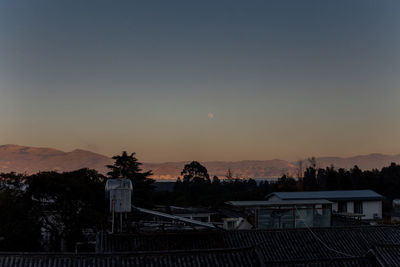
395, 212
193, 213
236, 223
364, 204
278, 214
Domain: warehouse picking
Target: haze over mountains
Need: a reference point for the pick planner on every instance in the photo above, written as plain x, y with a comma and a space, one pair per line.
24, 159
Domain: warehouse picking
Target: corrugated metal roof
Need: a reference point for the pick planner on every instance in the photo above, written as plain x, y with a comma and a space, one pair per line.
277, 203
175, 217
329, 195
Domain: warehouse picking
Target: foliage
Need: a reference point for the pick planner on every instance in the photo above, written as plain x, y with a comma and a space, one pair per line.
68, 203
127, 166
195, 172
216, 193
19, 224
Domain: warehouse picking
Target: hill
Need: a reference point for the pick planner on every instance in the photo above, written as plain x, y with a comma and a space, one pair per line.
23, 159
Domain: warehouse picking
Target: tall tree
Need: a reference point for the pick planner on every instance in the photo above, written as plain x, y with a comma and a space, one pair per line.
310, 179
68, 203
195, 172
300, 174
20, 229
128, 166
229, 175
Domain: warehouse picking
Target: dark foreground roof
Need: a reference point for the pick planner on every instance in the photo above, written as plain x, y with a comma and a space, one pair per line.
245, 258
275, 245
351, 246
285, 245
224, 257
345, 262
329, 195
386, 255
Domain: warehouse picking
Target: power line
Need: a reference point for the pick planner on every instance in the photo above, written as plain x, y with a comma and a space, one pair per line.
321, 241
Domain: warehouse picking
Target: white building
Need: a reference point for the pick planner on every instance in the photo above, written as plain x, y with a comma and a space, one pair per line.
198, 214
366, 203
279, 214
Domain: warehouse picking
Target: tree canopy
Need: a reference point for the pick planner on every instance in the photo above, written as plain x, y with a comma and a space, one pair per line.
128, 166
67, 203
195, 172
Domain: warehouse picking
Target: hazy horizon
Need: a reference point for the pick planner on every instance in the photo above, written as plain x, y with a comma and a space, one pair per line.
208, 80
209, 160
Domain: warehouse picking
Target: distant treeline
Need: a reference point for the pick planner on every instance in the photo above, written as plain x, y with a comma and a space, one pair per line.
52, 211
215, 192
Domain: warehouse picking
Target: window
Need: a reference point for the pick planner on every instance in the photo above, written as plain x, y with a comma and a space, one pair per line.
231, 225
358, 207
342, 206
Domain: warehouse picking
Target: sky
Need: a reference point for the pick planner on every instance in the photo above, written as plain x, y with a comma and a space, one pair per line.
202, 80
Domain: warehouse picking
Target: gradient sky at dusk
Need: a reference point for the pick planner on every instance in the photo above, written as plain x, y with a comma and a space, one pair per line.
202, 80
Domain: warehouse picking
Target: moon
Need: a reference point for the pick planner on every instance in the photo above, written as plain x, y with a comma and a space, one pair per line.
210, 115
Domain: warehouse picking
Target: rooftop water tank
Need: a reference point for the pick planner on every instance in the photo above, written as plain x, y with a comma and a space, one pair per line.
119, 192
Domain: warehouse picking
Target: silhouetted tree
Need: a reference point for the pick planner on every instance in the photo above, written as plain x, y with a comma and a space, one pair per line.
195, 172
216, 180
300, 174
127, 166
229, 175
68, 203
310, 179
287, 184
20, 226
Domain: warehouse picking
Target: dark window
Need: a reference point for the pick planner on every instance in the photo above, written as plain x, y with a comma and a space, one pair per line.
358, 207
342, 206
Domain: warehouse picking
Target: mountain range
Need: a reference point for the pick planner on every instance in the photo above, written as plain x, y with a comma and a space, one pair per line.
25, 159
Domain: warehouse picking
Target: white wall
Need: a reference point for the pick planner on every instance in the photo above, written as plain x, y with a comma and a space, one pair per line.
334, 206
371, 207
350, 206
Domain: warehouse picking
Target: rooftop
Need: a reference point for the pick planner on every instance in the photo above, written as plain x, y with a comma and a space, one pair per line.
329, 195
350, 246
277, 245
266, 203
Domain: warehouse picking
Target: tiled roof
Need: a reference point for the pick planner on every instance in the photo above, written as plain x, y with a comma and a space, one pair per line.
301, 244
273, 245
354, 246
190, 240
243, 257
345, 262
329, 195
226, 257
387, 255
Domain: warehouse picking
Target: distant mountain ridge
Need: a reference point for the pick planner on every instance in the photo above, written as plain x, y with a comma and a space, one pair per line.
25, 159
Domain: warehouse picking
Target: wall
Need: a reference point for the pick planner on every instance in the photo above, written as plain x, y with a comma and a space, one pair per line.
350, 206
371, 207
334, 206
